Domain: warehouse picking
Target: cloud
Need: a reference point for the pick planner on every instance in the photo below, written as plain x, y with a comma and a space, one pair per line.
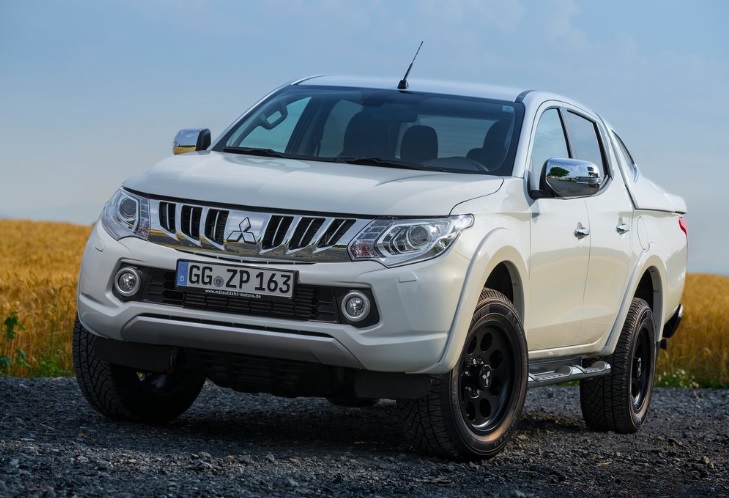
474, 14
559, 25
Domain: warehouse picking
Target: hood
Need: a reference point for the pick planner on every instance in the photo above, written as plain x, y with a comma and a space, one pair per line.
294, 185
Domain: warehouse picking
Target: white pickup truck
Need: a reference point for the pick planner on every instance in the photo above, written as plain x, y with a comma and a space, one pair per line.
444, 245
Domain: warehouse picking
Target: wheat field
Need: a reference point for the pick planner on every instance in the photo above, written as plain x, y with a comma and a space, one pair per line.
39, 264
698, 355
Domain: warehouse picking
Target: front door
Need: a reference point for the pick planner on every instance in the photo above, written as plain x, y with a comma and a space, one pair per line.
560, 250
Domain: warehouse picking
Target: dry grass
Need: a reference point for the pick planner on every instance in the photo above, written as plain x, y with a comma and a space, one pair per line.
699, 352
39, 268
39, 264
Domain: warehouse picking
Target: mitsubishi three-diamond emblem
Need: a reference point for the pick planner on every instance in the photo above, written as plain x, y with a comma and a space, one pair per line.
243, 233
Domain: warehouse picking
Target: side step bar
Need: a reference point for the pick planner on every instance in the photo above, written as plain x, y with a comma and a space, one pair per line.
566, 373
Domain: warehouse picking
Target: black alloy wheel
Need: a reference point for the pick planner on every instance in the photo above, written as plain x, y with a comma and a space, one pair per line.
472, 411
486, 378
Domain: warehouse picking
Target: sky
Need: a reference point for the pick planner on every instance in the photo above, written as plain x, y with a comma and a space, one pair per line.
92, 92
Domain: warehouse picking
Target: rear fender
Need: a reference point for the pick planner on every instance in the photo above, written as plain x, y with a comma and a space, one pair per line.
654, 266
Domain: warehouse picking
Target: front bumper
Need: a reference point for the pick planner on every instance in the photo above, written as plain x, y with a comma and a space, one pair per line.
416, 305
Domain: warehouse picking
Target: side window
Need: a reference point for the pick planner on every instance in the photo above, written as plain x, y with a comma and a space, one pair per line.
626, 160
276, 128
549, 140
583, 140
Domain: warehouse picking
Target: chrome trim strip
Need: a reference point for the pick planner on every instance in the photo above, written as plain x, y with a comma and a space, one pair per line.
245, 231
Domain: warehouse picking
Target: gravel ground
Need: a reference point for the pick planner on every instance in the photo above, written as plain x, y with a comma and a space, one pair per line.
229, 444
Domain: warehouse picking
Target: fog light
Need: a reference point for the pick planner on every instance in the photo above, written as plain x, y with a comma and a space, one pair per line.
355, 306
127, 281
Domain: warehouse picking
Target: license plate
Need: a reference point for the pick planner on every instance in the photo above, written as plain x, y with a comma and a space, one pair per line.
229, 280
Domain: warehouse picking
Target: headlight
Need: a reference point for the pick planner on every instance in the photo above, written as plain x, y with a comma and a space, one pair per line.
397, 242
126, 215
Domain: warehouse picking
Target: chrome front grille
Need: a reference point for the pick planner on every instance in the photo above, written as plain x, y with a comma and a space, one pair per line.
215, 225
305, 232
276, 231
167, 216
190, 221
251, 234
335, 232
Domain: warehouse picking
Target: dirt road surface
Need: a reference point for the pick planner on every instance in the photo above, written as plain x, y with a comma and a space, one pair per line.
230, 444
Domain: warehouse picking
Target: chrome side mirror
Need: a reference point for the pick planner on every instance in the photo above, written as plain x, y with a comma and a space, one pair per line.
568, 178
190, 140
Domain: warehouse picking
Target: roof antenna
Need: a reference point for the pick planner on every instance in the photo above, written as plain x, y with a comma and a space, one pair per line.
403, 85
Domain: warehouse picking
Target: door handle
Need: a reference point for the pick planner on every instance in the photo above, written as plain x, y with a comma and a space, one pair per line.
582, 232
622, 228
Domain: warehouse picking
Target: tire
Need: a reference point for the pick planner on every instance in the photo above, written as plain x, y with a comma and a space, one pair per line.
619, 401
352, 402
122, 393
472, 411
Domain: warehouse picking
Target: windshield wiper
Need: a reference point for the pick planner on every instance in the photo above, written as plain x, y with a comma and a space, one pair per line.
253, 151
378, 161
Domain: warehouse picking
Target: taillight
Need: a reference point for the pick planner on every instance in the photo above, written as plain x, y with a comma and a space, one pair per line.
684, 226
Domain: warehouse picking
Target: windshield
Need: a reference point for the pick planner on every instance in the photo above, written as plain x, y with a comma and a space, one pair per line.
381, 128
